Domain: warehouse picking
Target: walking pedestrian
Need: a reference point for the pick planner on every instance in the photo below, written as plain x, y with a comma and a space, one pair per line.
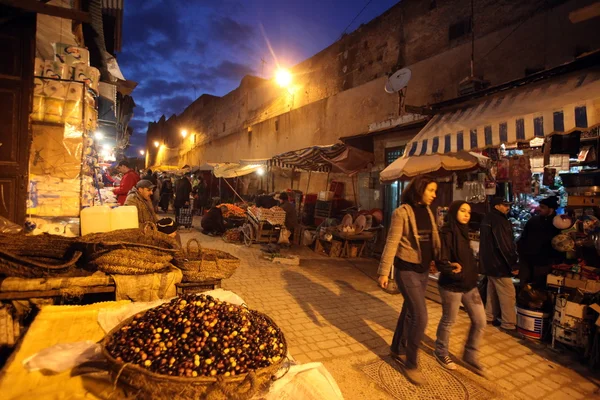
166, 194
183, 189
498, 257
413, 243
459, 274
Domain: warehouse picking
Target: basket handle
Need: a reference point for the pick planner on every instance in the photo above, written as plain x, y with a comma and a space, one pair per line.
150, 226
189, 249
234, 394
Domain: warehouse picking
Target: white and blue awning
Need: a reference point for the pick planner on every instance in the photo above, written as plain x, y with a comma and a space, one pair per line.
557, 106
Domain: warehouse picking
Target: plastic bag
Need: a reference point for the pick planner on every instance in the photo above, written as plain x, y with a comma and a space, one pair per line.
284, 236
7, 226
64, 356
308, 238
309, 381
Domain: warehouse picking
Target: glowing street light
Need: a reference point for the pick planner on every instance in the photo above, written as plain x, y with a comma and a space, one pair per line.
156, 144
260, 171
142, 152
98, 135
184, 133
283, 77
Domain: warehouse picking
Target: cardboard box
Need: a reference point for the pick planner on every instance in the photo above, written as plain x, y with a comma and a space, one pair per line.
592, 286
580, 311
596, 307
575, 283
554, 280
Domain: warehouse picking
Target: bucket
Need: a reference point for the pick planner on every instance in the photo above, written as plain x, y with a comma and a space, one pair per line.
532, 324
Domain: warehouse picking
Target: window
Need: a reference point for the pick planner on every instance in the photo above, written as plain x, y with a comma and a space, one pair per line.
223, 126
277, 124
393, 153
459, 29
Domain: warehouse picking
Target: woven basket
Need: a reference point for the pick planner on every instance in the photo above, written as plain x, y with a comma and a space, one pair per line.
36, 256
152, 386
133, 239
206, 264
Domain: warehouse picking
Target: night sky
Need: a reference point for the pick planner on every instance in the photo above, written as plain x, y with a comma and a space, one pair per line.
178, 50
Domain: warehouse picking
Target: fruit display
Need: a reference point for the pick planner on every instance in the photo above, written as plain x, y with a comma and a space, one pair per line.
274, 215
232, 211
197, 336
232, 235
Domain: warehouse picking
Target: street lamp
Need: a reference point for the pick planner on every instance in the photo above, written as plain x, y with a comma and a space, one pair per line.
156, 144
183, 133
260, 171
283, 77
142, 152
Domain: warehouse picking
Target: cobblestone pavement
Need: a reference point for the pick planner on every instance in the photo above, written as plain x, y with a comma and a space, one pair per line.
332, 312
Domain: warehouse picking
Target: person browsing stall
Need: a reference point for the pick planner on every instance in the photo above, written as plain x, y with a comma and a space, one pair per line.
412, 244
291, 217
498, 257
536, 254
128, 181
457, 283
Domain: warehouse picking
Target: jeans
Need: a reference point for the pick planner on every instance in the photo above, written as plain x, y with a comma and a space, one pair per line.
450, 306
501, 302
412, 322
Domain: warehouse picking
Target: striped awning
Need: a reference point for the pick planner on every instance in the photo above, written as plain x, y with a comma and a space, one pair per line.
557, 106
314, 158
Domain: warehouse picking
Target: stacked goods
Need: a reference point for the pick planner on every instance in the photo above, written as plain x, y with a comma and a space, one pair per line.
233, 236
129, 251
205, 264
233, 211
57, 197
36, 256
274, 215
195, 345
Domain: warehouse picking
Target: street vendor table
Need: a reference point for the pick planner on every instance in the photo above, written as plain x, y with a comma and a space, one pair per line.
347, 240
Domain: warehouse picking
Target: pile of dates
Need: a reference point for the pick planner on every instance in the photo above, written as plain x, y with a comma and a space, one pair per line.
197, 335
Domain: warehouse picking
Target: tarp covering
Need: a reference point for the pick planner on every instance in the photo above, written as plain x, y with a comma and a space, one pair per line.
333, 158
405, 168
556, 106
233, 170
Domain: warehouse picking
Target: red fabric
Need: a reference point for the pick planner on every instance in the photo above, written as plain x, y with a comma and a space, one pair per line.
127, 182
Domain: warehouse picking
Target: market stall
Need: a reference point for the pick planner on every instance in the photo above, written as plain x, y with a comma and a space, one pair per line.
540, 134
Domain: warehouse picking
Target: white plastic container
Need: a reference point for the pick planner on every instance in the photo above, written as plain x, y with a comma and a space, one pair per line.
123, 217
95, 219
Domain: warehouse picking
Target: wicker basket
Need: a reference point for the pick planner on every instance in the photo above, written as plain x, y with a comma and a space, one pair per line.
152, 386
133, 239
36, 256
206, 264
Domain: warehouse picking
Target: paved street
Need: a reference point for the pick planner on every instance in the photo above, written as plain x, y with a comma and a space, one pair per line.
332, 312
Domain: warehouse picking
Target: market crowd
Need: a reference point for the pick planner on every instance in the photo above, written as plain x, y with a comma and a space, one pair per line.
415, 247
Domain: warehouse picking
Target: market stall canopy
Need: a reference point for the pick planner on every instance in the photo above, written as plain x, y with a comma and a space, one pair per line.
333, 158
558, 105
405, 168
233, 170
255, 161
205, 167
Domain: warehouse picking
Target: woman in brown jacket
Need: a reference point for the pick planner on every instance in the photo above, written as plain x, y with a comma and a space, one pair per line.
413, 244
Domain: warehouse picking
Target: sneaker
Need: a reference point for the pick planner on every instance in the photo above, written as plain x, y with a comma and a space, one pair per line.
415, 376
399, 358
445, 361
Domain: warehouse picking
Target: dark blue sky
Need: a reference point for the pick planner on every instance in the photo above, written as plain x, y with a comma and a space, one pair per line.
177, 50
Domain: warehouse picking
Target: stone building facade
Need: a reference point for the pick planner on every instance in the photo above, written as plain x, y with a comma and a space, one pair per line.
339, 91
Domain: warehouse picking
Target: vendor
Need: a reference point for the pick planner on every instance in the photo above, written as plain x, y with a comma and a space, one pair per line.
291, 217
213, 223
128, 181
140, 196
536, 254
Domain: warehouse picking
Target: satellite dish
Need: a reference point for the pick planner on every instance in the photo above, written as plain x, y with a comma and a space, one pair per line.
398, 80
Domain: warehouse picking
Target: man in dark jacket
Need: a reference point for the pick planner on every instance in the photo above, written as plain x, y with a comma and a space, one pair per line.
183, 189
498, 257
535, 245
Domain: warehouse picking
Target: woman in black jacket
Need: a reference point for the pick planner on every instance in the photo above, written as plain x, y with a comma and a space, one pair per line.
458, 284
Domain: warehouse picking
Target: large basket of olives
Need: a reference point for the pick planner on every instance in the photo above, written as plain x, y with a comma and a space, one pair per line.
195, 347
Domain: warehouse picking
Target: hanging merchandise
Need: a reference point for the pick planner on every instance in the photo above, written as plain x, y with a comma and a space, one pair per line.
503, 169
549, 176
520, 173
